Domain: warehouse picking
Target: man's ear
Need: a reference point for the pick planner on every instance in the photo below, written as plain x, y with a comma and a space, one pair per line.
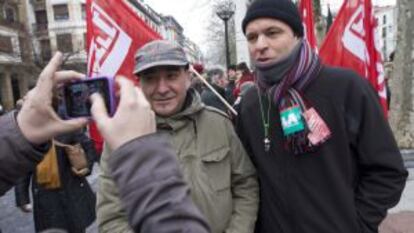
188, 79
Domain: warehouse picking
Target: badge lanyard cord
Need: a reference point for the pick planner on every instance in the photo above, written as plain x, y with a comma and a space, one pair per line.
265, 121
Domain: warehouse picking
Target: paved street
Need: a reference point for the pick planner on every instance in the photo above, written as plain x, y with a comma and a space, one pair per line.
400, 219
12, 220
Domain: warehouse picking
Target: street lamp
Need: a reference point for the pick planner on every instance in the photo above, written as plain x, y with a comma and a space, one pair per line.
225, 11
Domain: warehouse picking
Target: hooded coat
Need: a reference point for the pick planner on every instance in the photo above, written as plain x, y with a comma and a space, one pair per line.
221, 176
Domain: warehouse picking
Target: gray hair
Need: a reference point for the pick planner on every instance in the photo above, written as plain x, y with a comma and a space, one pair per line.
214, 75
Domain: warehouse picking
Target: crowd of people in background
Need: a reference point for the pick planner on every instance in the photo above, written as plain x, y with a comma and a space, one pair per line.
231, 84
309, 150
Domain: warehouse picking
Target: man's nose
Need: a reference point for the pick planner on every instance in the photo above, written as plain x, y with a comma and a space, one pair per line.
162, 86
261, 43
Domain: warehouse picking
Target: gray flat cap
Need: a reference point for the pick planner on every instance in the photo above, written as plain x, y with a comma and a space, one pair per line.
159, 53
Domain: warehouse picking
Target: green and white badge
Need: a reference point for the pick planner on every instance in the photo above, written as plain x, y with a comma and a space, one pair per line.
292, 121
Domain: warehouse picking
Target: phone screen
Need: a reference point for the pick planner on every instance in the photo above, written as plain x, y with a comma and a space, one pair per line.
77, 96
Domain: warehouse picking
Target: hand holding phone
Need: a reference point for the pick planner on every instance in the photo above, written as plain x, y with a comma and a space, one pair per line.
134, 117
37, 120
76, 96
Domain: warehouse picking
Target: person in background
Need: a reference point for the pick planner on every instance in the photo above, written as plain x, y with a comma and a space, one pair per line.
243, 75
325, 155
231, 77
243, 91
68, 204
218, 81
389, 67
196, 83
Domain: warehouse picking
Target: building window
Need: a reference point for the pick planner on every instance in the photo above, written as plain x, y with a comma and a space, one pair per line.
61, 12
384, 32
41, 17
45, 50
83, 11
41, 20
9, 14
6, 45
64, 43
384, 19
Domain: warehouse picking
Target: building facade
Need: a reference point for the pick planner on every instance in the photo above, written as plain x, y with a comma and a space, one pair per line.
147, 14
32, 30
194, 54
16, 65
386, 32
173, 31
66, 21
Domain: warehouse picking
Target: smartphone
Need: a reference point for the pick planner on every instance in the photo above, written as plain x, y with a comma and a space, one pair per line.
76, 96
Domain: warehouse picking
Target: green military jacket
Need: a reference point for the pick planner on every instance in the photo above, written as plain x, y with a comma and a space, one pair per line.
220, 174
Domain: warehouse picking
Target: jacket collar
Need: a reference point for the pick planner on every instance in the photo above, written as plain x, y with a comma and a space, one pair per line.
192, 106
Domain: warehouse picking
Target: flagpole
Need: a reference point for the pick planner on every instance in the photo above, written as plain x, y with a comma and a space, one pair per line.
213, 90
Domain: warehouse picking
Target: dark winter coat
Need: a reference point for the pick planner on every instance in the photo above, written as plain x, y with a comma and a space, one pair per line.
210, 99
229, 92
71, 207
348, 184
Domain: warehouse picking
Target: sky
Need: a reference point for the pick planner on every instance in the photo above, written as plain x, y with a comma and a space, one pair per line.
194, 15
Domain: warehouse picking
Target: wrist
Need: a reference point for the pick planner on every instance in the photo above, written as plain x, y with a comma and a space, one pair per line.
29, 133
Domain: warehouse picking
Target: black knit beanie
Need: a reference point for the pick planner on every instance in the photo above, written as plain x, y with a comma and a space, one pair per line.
283, 10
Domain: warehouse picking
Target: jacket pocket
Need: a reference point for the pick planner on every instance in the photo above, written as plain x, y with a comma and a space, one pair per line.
216, 165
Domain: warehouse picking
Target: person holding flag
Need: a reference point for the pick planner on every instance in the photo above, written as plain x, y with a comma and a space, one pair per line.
325, 155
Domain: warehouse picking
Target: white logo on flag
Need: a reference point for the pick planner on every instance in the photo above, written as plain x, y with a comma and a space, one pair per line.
354, 34
109, 45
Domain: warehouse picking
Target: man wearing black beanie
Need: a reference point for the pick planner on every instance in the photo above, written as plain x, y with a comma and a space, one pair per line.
326, 158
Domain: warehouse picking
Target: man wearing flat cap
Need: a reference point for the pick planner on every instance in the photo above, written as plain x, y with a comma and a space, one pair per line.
325, 156
221, 176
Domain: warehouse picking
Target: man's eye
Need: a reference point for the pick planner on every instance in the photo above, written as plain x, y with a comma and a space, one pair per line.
273, 33
172, 75
146, 78
251, 37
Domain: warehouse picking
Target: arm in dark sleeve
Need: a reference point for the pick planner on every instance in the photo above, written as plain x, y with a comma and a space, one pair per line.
18, 157
239, 126
381, 172
152, 188
89, 148
21, 191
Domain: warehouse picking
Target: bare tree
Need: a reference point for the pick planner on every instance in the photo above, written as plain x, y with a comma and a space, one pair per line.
319, 21
401, 83
216, 44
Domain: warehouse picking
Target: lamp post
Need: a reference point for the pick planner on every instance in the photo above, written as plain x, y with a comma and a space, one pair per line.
225, 11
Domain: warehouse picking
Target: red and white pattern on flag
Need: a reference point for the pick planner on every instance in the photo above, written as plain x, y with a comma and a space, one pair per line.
351, 43
306, 12
114, 33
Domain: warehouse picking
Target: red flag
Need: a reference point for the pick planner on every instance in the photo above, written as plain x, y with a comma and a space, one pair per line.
114, 33
351, 43
306, 12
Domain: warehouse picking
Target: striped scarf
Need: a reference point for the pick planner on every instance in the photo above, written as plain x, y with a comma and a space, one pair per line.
305, 69
287, 93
